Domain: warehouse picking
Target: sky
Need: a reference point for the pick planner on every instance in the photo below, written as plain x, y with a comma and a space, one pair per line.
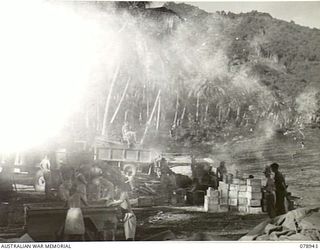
305, 13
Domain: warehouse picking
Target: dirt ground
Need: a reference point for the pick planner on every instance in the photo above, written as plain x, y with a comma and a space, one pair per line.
185, 223
194, 225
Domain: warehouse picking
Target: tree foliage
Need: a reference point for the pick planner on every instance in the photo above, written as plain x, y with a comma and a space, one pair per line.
220, 74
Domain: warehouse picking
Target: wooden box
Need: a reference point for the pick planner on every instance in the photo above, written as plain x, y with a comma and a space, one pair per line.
254, 203
233, 194
233, 202
145, 201
255, 210
254, 182
212, 193
211, 205
223, 208
223, 201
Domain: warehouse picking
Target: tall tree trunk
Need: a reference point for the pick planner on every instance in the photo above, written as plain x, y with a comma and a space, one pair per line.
219, 113
106, 111
198, 104
159, 113
121, 100
126, 116
176, 113
228, 113
97, 115
206, 112
147, 106
238, 113
183, 113
150, 118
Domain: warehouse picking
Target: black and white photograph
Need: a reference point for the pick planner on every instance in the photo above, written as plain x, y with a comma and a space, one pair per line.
159, 121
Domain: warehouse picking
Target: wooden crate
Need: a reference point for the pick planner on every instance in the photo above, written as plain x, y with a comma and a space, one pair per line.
233, 187
223, 185
243, 201
254, 196
145, 201
254, 182
249, 210
242, 182
255, 210
232, 202
236, 181
223, 193
233, 208
223, 201
243, 209
212, 193
249, 202
254, 203
254, 189
211, 205
211, 200
250, 195
223, 208
233, 194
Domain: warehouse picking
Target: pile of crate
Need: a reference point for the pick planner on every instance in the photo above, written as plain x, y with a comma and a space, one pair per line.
241, 195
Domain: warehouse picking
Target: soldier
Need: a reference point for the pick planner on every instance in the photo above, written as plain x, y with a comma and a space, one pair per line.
221, 171
270, 190
281, 189
45, 167
129, 218
74, 228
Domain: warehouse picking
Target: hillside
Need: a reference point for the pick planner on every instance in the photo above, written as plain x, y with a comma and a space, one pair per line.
221, 76
283, 57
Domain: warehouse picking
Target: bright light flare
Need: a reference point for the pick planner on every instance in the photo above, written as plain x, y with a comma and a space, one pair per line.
49, 54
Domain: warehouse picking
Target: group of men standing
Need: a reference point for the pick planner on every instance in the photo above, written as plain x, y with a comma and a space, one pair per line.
276, 191
85, 186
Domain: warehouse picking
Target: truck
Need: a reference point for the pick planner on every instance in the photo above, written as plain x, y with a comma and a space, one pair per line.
125, 157
23, 168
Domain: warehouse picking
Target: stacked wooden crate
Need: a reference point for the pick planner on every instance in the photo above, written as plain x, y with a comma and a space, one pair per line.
242, 195
250, 196
223, 196
233, 197
211, 200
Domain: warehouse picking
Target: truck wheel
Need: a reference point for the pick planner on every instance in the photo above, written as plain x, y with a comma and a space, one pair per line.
39, 181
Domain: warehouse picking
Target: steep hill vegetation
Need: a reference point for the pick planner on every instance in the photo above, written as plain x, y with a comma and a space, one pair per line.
218, 76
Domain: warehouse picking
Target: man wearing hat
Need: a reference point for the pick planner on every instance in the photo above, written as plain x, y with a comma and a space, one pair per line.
270, 189
281, 189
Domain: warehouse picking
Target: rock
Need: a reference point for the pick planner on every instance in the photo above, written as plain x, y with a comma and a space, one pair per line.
299, 237
272, 228
273, 236
311, 222
263, 237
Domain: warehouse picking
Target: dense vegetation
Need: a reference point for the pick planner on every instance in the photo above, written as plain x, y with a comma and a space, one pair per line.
220, 75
